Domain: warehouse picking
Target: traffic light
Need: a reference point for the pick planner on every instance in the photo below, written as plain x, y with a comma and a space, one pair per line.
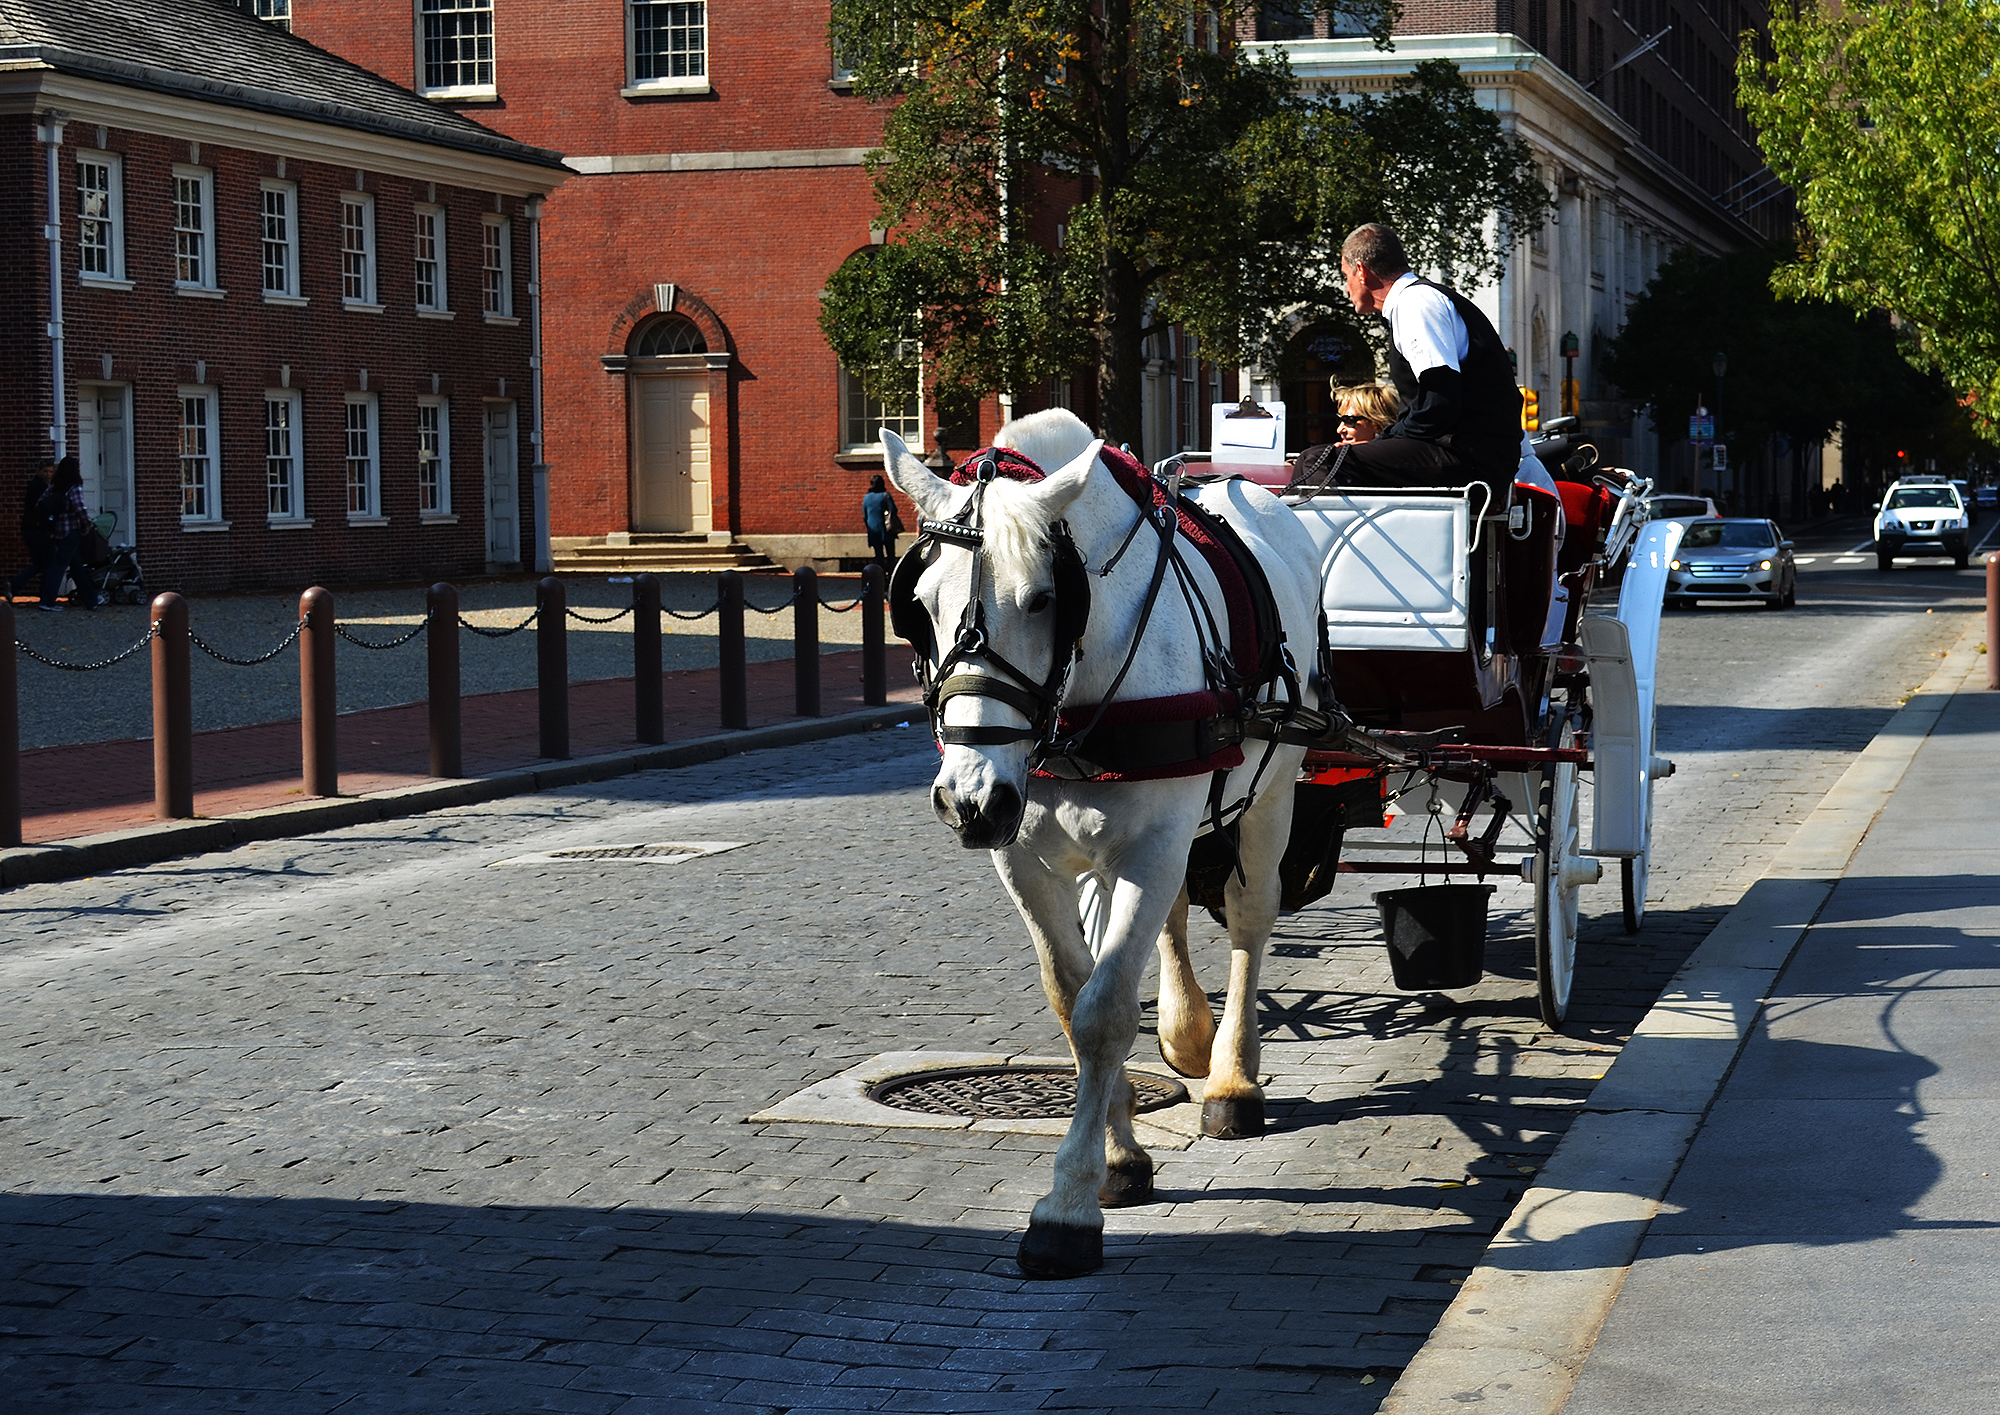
1531, 410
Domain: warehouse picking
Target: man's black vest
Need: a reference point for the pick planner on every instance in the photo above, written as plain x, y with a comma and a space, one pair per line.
1489, 423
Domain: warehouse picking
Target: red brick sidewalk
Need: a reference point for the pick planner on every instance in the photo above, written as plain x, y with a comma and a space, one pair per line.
67, 792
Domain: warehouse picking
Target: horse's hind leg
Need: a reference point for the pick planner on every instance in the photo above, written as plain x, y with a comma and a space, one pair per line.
1232, 1106
1187, 1022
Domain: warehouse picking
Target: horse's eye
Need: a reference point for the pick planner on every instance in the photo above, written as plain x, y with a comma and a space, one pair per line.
1042, 600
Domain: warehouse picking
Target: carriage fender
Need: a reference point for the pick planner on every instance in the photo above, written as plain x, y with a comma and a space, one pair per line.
1624, 654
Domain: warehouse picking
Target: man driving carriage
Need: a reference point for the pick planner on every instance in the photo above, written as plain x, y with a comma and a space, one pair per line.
1461, 419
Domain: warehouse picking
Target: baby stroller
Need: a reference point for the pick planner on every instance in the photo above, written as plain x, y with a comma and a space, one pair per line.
119, 578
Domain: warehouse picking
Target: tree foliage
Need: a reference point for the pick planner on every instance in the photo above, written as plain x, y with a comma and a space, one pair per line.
1795, 367
1194, 187
1883, 116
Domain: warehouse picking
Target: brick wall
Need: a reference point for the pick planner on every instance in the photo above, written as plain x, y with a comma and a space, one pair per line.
157, 340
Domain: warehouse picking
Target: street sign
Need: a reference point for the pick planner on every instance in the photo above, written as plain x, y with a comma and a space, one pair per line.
1701, 429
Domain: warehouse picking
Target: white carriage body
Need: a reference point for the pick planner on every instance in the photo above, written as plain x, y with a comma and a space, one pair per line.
1395, 569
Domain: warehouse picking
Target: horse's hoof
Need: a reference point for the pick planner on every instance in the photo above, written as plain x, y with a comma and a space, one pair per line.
1055, 1250
1126, 1185
1233, 1117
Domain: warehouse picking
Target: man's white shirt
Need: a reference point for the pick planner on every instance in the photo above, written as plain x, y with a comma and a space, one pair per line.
1425, 326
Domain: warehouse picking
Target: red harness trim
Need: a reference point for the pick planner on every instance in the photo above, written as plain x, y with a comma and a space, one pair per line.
1245, 650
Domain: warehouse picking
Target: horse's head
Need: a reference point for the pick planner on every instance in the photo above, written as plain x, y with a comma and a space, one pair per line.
993, 599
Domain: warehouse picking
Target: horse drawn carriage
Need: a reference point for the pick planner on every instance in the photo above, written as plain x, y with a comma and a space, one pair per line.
1200, 684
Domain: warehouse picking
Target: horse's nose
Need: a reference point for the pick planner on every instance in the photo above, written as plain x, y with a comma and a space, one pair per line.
981, 824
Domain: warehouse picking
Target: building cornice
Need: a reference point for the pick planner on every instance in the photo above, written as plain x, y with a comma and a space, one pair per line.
741, 161
36, 88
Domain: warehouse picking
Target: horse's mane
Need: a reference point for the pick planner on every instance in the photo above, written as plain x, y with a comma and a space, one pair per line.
1017, 523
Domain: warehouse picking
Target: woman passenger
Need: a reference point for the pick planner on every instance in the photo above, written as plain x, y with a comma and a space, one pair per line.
1365, 410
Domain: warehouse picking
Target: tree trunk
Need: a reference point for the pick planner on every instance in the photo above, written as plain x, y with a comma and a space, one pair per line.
1120, 388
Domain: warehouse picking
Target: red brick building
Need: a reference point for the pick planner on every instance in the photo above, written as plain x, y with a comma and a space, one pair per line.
718, 155
285, 320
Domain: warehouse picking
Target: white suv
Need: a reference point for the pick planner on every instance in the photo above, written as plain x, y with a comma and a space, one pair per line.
1922, 515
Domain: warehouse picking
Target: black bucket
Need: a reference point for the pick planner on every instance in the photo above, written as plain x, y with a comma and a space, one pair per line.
1436, 934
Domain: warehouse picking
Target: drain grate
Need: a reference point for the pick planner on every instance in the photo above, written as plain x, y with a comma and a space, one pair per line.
647, 852
1008, 1092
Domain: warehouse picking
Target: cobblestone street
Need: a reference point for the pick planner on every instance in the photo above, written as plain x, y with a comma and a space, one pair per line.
378, 1121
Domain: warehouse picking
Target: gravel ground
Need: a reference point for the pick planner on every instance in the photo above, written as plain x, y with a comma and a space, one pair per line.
115, 703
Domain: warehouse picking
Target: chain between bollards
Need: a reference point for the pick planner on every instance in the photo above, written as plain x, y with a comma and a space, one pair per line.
441, 665
874, 650
173, 711
735, 688
552, 665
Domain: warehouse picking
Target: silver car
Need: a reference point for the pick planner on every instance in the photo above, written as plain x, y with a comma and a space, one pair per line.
1733, 558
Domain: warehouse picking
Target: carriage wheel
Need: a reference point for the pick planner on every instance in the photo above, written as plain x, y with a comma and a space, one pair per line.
1558, 874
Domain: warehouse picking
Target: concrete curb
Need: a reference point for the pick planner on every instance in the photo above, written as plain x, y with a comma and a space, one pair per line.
1515, 1339
150, 844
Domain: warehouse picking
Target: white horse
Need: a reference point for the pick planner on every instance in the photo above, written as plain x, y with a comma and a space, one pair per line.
1131, 836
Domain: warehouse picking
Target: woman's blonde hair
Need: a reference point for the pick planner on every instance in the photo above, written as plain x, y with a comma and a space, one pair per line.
1376, 402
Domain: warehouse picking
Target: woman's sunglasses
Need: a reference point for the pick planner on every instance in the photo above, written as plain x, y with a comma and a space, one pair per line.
1350, 419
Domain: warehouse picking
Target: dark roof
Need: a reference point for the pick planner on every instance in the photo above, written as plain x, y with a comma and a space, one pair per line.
213, 51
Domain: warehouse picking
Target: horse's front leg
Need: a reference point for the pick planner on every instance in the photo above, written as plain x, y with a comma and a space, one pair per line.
1232, 1106
1065, 1236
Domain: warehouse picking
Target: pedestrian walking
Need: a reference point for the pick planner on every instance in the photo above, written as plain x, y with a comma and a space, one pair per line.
34, 525
878, 511
68, 518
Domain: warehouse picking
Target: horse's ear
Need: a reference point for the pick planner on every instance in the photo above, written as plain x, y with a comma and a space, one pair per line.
913, 478
1059, 489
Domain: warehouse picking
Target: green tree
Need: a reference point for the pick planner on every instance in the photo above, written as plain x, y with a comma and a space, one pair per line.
1882, 117
1796, 367
1193, 187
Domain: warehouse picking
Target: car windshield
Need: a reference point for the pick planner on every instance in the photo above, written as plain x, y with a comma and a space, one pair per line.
1728, 535
1662, 507
1918, 496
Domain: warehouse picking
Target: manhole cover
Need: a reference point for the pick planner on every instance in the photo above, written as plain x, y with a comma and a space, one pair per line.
1008, 1092
649, 852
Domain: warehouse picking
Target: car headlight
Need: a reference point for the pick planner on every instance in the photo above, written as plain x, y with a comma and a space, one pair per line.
1673, 564
1763, 564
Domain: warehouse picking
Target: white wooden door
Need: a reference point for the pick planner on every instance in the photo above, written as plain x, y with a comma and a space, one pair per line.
104, 453
503, 486
670, 453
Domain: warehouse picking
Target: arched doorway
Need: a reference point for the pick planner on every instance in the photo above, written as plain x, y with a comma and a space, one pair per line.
1316, 356
667, 386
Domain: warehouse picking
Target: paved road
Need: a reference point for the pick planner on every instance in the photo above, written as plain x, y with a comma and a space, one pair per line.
374, 1121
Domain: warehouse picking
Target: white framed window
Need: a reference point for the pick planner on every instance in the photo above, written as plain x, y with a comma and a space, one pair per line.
433, 457
364, 458
430, 257
284, 452
201, 457
278, 12
279, 203
668, 44
456, 46
194, 228
496, 266
100, 216
357, 249
863, 416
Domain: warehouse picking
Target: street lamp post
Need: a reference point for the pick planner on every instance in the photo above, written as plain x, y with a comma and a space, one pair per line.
1719, 365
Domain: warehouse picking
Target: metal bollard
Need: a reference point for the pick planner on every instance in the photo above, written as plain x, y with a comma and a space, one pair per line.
10, 730
729, 633
1993, 621
874, 652
173, 711
552, 665
319, 748
647, 689
441, 652
805, 641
